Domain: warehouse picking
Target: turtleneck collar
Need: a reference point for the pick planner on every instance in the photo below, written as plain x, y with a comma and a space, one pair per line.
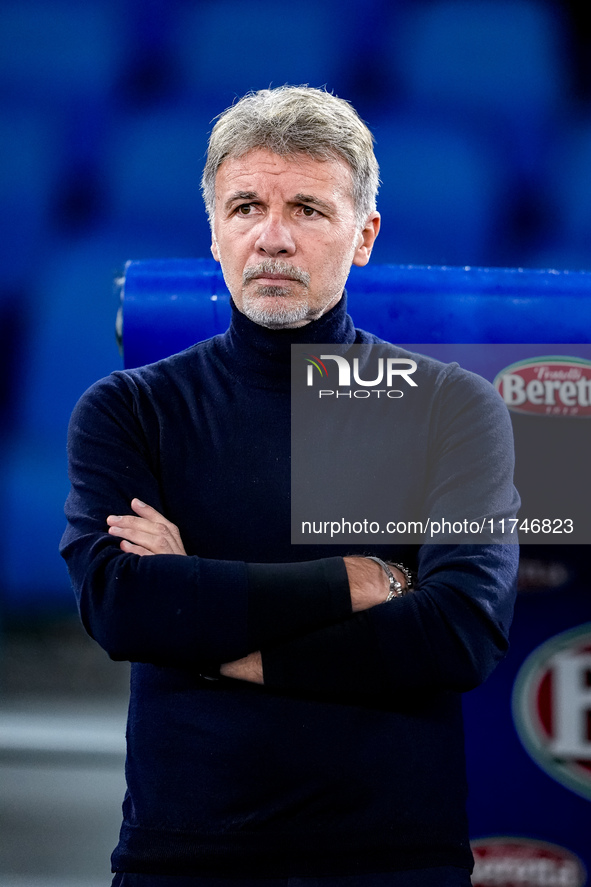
266, 353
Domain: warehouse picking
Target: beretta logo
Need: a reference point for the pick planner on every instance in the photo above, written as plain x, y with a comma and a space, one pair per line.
552, 708
508, 861
547, 386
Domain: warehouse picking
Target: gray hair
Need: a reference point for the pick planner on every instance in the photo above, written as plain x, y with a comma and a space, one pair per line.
292, 120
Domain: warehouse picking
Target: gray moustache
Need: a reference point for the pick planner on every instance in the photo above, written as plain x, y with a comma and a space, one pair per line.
276, 268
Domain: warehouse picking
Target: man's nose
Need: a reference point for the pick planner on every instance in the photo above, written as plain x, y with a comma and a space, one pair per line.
275, 237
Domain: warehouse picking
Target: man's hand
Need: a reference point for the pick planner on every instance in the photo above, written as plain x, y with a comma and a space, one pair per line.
368, 583
248, 669
150, 533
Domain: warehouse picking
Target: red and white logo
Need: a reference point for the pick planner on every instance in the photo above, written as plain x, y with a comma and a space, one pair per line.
509, 861
547, 386
552, 708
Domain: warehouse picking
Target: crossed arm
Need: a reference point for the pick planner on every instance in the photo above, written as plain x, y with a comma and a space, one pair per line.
147, 532
319, 635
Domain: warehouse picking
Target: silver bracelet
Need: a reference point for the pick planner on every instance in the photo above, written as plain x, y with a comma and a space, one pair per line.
396, 587
407, 575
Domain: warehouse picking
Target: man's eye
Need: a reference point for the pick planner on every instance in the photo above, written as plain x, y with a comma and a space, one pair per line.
309, 211
245, 208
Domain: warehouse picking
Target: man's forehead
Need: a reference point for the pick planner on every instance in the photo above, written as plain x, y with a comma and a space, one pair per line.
262, 165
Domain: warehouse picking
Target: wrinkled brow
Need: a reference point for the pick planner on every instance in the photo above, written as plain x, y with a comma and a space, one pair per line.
240, 195
298, 198
310, 198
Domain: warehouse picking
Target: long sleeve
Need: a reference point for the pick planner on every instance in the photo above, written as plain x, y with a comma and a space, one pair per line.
169, 609
449, 634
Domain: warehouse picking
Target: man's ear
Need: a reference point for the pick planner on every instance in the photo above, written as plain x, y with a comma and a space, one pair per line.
367, 238
214, 248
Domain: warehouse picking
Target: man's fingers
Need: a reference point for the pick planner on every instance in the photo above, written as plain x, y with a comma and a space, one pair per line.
156, 538
130, 548
150, 514
150, 530
147, 512
130, 522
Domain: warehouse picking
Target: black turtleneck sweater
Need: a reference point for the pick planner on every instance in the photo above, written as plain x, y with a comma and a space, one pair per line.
350, 757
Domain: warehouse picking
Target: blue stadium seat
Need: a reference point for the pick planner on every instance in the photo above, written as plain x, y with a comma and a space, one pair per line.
226, 47
153, 163
29, 170
71, 343
569, 198
441, 193
499, 65
505, 53
56, 48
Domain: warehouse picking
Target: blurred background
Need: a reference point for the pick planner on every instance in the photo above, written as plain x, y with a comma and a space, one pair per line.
481, 111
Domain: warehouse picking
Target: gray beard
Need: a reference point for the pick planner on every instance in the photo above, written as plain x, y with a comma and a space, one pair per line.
284, 310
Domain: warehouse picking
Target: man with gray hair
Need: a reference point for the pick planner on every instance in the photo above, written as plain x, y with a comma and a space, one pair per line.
295, 712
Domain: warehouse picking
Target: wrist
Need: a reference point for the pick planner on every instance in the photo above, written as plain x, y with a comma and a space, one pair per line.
396, 588
368, 584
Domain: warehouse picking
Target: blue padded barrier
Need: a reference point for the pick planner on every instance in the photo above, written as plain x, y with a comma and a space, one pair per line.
171, 303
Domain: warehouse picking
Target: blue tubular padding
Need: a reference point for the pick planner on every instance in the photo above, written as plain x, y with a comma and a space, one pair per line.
169, 304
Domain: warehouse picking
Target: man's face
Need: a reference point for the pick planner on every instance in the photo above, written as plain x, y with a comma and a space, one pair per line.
286, 235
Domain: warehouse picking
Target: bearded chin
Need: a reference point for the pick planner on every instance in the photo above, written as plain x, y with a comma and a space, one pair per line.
274, 306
